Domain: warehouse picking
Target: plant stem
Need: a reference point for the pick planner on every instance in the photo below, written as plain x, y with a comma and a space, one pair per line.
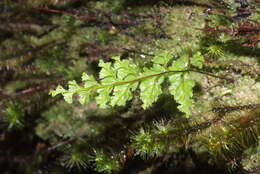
150, 76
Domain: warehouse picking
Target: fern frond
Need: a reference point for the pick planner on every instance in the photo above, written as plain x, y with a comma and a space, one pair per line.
119, 80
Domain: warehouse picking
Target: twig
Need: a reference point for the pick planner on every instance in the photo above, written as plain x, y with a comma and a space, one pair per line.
61, 144
212, 75
31, 50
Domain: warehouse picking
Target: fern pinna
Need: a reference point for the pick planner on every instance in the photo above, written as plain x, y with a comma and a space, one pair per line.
118, 81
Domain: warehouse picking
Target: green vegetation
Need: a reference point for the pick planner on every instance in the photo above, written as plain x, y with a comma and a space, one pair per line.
124, 77
120, 86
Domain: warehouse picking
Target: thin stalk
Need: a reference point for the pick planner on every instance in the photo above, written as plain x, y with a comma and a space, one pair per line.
118, 83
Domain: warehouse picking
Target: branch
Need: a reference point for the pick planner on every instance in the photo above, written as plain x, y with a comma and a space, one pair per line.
31, 50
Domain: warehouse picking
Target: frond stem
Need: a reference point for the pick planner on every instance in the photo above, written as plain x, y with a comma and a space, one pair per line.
150, 76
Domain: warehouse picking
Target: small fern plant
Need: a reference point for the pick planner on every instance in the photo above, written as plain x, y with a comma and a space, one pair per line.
119, 80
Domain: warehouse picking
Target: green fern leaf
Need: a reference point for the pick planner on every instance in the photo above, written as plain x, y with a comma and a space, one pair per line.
121, 95
181, 86
67, 94
163, 58
58, 90
180, 64
151, 87
103, 97
107, 74
89, 84
126, 71
197, 60
73, 88
119, 80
